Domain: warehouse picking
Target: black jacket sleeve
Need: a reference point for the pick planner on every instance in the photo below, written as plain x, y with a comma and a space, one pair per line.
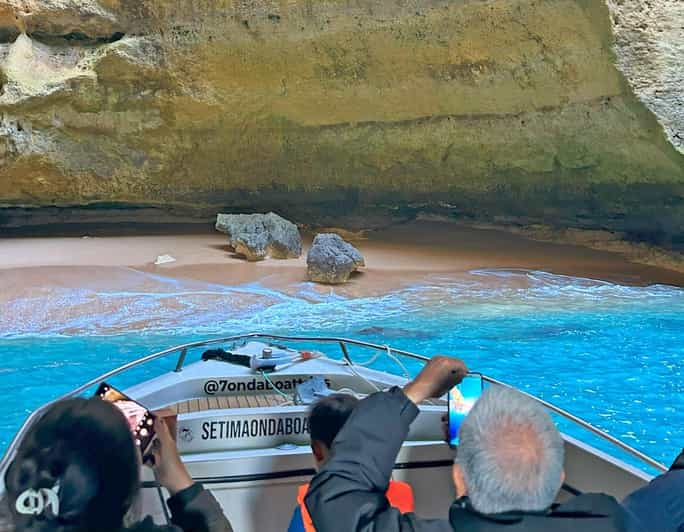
348, 494
196, 510
678, 463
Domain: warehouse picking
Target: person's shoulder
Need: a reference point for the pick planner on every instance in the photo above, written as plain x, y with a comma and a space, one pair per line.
591, 503
667, 485
603, 510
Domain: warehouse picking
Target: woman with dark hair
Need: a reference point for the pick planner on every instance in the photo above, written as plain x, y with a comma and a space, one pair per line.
78, 470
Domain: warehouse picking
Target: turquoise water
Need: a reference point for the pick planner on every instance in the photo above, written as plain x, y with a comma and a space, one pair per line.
609, 353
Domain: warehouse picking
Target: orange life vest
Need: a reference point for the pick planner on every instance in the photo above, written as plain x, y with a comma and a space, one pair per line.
399, 495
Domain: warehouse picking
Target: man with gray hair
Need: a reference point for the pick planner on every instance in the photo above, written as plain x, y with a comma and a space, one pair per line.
507, 473
510, 455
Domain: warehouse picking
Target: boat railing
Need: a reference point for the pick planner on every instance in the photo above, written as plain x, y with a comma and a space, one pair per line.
343, 344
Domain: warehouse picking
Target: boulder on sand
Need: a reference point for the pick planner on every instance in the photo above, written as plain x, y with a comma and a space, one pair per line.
258, 236
331, 260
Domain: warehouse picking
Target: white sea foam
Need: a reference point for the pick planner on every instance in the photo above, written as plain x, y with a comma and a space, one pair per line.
152, 302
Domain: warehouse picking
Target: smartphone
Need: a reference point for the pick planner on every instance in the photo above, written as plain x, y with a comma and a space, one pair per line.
462, 397
140, 419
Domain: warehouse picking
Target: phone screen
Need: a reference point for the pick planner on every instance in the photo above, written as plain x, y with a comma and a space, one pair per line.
462, 397
140, 419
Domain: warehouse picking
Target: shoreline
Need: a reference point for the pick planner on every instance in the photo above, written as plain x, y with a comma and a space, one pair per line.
600, 240
395, 256
111, 284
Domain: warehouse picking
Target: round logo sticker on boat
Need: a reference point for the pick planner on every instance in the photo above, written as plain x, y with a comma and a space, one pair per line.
185, 434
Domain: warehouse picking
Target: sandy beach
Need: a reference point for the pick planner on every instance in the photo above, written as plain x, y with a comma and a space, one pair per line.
110, 284
395, 257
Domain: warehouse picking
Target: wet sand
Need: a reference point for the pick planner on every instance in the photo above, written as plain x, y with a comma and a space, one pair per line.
395, 257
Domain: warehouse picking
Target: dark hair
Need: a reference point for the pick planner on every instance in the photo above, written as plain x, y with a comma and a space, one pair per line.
86, 446
328, 415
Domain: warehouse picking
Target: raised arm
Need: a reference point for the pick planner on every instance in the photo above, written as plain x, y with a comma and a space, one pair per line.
349, 492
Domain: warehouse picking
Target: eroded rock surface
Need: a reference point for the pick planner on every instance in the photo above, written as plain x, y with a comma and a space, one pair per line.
258, 236
84, 21
649, 44
493, 110
331, 260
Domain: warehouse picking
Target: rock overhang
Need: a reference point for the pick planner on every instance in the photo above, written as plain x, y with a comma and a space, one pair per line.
493, 109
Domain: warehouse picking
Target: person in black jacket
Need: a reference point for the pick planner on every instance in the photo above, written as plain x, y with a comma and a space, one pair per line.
78, 470
660, 504
507, 482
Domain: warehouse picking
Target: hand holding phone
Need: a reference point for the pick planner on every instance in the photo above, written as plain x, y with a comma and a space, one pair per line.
140, 419
166, 463
462, 398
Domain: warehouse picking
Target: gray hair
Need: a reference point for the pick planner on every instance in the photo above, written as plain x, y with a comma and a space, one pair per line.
510, 452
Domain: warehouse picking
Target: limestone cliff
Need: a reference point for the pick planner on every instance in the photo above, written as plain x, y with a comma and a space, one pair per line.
650, 48
508, 110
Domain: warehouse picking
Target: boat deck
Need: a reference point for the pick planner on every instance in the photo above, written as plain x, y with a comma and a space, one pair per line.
228, 401
244, 401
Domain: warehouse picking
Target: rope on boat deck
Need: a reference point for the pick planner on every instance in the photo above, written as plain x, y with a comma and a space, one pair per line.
407, 375
268, 380
392, 356
350, 367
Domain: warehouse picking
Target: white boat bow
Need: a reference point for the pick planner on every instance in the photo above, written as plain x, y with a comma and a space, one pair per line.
242, 426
